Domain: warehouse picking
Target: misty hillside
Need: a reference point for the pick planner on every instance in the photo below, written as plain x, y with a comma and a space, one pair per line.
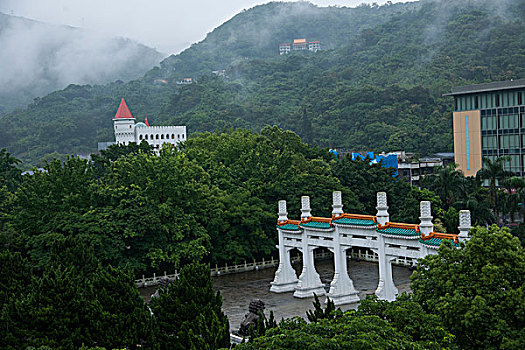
38, 58
378, 88
257, 33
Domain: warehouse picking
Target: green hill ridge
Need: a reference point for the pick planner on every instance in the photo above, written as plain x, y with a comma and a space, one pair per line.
378, 85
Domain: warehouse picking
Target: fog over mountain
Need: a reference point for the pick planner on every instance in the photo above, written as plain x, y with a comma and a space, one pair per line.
37, 58
166, 25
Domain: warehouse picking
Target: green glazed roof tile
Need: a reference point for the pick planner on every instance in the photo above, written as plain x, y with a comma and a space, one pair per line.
356, 222
315, 224
399, 232
289, 227
435, 242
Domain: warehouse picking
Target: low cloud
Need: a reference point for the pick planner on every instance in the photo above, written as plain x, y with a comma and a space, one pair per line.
37, 58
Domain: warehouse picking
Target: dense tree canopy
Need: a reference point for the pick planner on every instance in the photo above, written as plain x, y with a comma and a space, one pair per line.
374, 325
72, 301
477, 291
188, 312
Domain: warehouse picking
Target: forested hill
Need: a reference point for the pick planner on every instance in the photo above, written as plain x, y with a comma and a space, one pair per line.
257, 33
377, 86
37, 58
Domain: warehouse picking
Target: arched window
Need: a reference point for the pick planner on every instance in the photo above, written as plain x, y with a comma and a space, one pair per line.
178, 136
172, 136
146, 136
130, 126
157, 136
162, 136
151, 137
140, 137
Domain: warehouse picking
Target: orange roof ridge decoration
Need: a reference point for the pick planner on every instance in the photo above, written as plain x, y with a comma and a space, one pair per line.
329, 220
355, 216
123, 111
317, 219
286, 222
414, 227
431, 235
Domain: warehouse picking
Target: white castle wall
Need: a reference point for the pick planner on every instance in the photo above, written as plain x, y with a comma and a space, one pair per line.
126, 132
159, 135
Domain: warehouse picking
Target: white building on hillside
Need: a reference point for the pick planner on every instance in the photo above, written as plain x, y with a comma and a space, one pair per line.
127, 131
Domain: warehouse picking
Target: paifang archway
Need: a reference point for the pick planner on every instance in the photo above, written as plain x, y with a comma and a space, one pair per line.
389, 240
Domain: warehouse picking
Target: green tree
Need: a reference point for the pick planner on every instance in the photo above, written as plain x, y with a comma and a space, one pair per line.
75, 302
15, 280
318, 312
101, 163
494, 171
478, 290
407, 316
10, 174
188, 312
448, 183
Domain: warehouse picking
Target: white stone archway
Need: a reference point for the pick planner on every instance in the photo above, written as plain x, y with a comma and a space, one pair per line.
341, 232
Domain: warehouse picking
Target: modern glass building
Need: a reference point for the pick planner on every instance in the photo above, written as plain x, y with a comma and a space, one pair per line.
489, 121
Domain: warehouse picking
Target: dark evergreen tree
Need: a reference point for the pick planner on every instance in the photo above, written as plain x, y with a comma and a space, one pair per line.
318, 313
188, 312
77, 302
15, 279
124, 320
10, 175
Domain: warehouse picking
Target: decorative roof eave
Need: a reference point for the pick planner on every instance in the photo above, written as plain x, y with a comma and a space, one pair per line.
389, 235
389, 230
355, 216
299, 231
288, 222
452, 237
331, 221
319, 229
366, 227
399, 225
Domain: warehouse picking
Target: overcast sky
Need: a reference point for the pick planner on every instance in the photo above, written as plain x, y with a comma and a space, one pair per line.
167, 25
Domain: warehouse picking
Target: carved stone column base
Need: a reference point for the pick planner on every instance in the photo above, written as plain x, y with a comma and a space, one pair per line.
385, 294
342, 290
278, 287
344, 298
309, 292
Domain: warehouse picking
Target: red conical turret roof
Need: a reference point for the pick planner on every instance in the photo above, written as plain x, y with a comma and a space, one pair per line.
123, 111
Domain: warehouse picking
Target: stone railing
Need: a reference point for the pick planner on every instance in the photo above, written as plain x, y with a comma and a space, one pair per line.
265, 264
374, 258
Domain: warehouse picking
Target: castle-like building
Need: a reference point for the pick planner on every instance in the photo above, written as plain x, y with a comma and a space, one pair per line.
127, 131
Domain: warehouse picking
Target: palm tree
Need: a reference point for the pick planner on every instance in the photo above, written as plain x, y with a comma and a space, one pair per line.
449, 184
479, 210
494, 171
515, 188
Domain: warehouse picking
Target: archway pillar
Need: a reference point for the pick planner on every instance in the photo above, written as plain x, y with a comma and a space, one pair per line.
309, 280
386, 289
285, 278
342, 289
